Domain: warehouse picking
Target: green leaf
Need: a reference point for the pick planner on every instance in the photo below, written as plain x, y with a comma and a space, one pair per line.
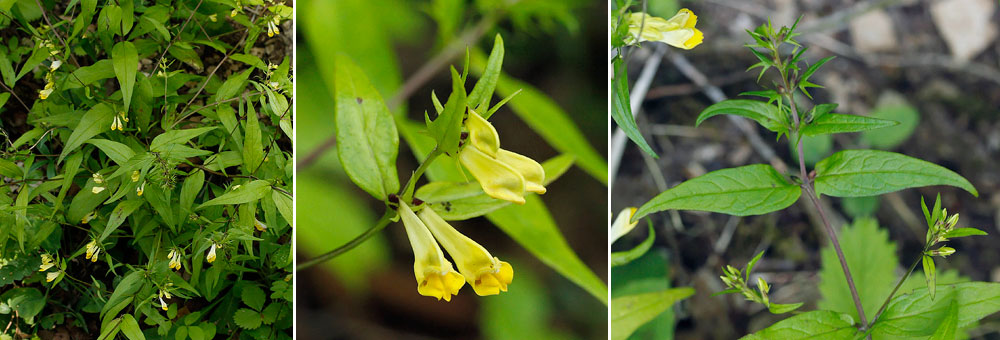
918, 314
27, 302
367, 141
748, 190
532, 226
118, 152
284, 204
631, 311
246, 193
766, 114
820, 324
253, 296
892, 106
122, 211
752, 263
446, 128
96, 120
99, 70
872, 260
624, 257
231, 87
930, 273
963, 232
161, 141
483, 91
621, 110
9, 169
841, 123
126, 63
852, 173
130, 328
128, 286
191, 188
253, 149
946, 329
247, 319
779, 308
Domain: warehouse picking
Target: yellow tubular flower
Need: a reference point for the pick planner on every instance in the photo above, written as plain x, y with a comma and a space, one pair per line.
261, 227
88, 217
533, 173
163, 304
46, 263
93, 250
482, 134
139, 189
486, 274
49, 277
435, 275
678, 31
135, 176
621, 226
175, 259
498, 180
211, 253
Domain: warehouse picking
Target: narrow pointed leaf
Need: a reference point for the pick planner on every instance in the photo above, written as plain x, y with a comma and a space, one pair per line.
821, 324
748, 190
631, 311
766, 114
126, 64
621, 110
841, 123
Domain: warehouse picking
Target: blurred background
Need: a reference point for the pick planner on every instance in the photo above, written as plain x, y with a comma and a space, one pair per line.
369, 292
934, 66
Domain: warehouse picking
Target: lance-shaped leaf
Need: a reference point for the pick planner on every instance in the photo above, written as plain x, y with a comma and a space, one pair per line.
631, 311
621, 110
918, 314
854, 173
841, 123
244, 194
820, 324
126, 64
95, 121
766, 114
367, 142
483, 91
747, 190
447, 127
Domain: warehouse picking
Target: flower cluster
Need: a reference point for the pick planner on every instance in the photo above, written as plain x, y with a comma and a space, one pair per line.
93, 249
503, 174
678, 31
99, 181
435, 275
119, 122
50, 83
175, 258
49, 262
738, 283
161, 295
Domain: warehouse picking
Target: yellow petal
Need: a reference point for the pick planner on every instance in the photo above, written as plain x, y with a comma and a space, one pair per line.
497, 179
621, 226
435, 275
695, 40
482, 134
533, 173
680, 38
684, 18
486, 274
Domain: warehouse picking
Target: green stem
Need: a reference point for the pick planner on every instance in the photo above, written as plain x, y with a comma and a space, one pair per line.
407, 193
899, 284
381, 224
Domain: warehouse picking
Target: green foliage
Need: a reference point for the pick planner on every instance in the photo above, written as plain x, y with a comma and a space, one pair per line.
872, 260
624, 257
153, 169
748, 190
631, 311
892, 106
820, 324
621, 110
918, 314
853, 173
646, 274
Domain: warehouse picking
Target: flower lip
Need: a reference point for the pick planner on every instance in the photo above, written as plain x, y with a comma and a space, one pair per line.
434, 274
486, 274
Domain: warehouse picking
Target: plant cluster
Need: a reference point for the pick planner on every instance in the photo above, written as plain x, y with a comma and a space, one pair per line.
937, 310
146, 169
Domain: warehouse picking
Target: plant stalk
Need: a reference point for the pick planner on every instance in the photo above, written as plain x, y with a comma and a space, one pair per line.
381, 224
898, 284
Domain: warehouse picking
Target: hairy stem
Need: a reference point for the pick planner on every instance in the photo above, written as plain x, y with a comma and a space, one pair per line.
381, 224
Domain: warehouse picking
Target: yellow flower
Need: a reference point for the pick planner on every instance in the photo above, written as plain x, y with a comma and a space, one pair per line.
88, 217
678, 32
435, 275
213, 17
502, 174
163, 304
621, 226
211, 253
49, 277
272, 28
44, 93
55, 65
135, 176
486, 274
175, 259
46, 263
97, 190
140, 188
119, 122
93, 250
261, 227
